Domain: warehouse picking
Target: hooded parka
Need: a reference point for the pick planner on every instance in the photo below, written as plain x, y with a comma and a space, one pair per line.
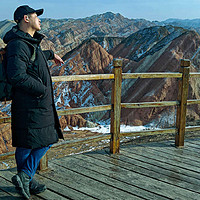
34, 118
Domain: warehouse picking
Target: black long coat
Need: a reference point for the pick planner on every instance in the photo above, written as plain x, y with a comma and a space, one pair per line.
34, 118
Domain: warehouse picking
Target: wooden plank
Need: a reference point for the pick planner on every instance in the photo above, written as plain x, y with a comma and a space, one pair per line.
7, 191
108, 178
148, 183
81, 141
158, 131
193, 145
193, 153
182, 97
116, 106
114, 176
67, 143
130, 163
6, 196
194, 74
124, 76
192, 128
149, 132
194, 141
8, 174
157, 104
173, 155
156, 155
59, 188
7, 155
8, 187
73, 111
168, 148
163, 175
5, 120
85, 77
193, 101
191, 150
151, 75
90, 186
43, 165
163, 165
149, 104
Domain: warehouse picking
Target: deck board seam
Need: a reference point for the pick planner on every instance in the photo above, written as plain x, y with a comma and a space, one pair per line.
175, 165
137, 165
68, 186
160, 180
122, 180
34, 195
191, 145
59, 194
171, 154
6, 192
192, 191
102, 181
160, 166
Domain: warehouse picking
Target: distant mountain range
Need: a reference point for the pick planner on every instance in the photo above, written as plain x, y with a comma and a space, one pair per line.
66, 34
89, 45
154, 49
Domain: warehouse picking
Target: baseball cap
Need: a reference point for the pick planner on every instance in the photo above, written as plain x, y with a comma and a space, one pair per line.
24, 10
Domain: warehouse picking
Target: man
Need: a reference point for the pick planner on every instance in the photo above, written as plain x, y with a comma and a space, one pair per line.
35, 124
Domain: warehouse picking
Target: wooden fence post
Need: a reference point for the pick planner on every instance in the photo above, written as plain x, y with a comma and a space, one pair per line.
43, 165
182, 98
116, 106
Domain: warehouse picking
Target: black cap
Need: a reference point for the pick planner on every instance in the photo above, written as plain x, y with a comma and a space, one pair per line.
24, 10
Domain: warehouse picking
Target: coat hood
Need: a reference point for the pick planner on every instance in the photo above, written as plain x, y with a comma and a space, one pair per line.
16, 33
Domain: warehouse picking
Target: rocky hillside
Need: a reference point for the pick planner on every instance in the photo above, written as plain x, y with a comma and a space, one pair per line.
5, 26
158, 50
89, 45
66, 34
154, 49
88, 58
193, 24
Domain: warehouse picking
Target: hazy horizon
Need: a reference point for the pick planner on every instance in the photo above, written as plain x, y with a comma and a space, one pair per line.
106, 12
154, 10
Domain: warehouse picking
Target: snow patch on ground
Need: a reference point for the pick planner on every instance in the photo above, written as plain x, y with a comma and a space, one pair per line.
106, 129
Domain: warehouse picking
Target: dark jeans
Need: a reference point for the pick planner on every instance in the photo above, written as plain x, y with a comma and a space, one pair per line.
28, 159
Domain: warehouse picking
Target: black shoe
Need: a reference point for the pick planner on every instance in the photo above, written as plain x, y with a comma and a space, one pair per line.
36, 188
21, 181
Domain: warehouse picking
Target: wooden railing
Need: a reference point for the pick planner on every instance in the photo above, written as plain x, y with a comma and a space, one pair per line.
116, 104
183, 75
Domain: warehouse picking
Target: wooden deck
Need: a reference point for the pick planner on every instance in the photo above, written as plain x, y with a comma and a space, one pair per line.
146, 171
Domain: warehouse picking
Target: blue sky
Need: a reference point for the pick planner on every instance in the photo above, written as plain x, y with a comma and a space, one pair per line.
147, 9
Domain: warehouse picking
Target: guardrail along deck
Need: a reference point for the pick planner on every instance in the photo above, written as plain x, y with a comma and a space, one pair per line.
154, 170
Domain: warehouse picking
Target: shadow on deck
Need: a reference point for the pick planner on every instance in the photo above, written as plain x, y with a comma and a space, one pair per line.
155, 170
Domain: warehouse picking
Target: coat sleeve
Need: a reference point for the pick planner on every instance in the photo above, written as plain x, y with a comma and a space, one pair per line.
17, 61
49, 54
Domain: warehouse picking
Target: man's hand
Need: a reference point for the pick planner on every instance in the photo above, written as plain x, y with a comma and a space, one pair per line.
58, 60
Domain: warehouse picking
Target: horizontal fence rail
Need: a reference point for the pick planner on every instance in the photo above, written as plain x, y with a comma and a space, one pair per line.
183, 75
194, 74
108, 137
86, 77
73, 111
124, 76
5, 120
151, 75
149, 104
159, 131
